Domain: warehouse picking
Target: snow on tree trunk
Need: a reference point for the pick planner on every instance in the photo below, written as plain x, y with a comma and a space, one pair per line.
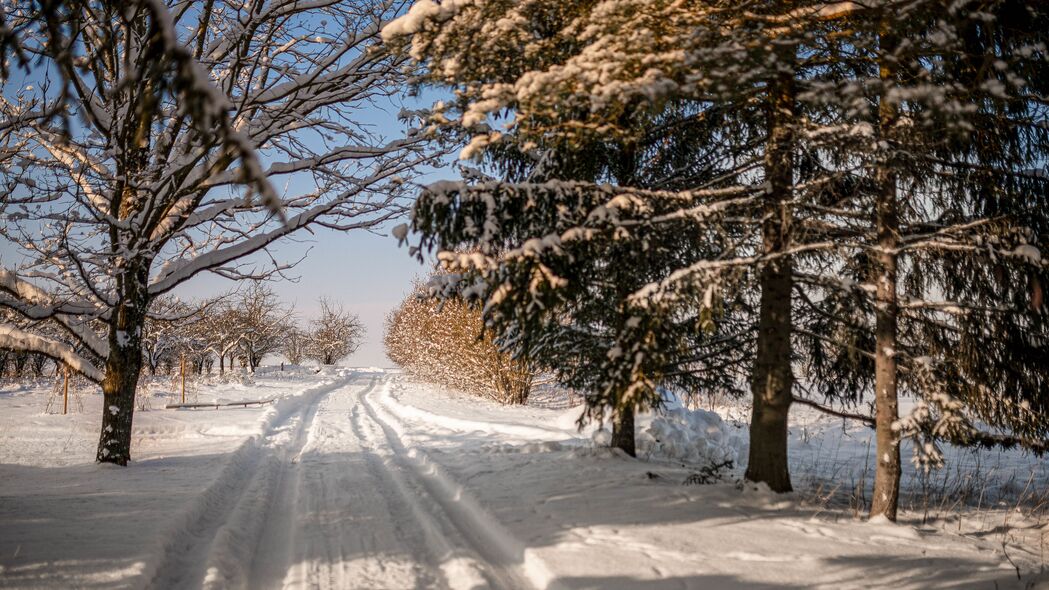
123, 366
772, 379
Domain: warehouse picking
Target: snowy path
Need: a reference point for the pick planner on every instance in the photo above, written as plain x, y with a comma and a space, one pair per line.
335, 500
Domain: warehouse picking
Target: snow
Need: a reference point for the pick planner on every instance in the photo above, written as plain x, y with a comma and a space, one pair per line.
1029, 252
693, 436
416, 17
368, 479
400, 232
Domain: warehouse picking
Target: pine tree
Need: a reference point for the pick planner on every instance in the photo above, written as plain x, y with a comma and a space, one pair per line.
868, 191
585, 328
942, 297
577, 75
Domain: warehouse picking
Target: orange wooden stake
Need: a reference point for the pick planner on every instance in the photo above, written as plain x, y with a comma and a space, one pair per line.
65, 392
183, 378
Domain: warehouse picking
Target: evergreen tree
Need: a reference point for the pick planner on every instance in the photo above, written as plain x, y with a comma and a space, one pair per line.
580, 330
938, 229
577, 75
862, 188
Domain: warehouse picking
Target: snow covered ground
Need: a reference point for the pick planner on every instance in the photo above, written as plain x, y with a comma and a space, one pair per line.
366, 479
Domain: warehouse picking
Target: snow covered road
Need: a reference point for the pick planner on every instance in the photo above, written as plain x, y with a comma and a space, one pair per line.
351, 509
369, 480
335, 500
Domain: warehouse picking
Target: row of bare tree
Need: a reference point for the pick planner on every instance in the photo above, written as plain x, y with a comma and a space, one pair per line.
442, 342
242, 330
21, 364
236, 330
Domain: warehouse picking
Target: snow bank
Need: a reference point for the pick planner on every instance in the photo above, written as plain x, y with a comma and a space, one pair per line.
691, 436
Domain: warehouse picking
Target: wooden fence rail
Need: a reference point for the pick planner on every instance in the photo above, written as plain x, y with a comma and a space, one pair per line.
217, 405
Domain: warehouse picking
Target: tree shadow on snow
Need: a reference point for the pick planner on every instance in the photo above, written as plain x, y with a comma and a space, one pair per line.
93, 525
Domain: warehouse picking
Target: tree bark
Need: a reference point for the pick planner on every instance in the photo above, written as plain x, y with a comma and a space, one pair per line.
123, 366
623, 431
772, 379
887, 471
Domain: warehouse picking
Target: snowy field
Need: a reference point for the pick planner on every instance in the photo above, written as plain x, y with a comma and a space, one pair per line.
366, 479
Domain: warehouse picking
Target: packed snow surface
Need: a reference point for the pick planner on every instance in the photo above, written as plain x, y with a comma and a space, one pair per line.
366, 479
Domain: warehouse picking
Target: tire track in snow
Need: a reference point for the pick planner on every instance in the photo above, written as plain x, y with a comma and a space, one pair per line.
253, 548
460, 568
405, 412
509, 562
346, 532
202, 550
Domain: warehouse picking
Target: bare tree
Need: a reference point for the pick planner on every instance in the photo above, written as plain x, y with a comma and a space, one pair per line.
19, 363
170, 323
263, 323
141, 194
335, 335
294, 346
222, 333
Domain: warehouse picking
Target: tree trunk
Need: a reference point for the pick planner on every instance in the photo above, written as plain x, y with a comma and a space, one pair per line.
123, 366
887, 472
772, 378
623, 431
772, 382
37, 365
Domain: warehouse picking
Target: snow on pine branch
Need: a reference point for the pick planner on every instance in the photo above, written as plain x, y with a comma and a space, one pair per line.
938, 416
479, 210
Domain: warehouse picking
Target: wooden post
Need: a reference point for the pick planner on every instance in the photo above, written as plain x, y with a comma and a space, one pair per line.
65, 392
183, 369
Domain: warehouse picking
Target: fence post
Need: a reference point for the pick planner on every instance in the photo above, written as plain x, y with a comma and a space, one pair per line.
183, 369
65, 392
